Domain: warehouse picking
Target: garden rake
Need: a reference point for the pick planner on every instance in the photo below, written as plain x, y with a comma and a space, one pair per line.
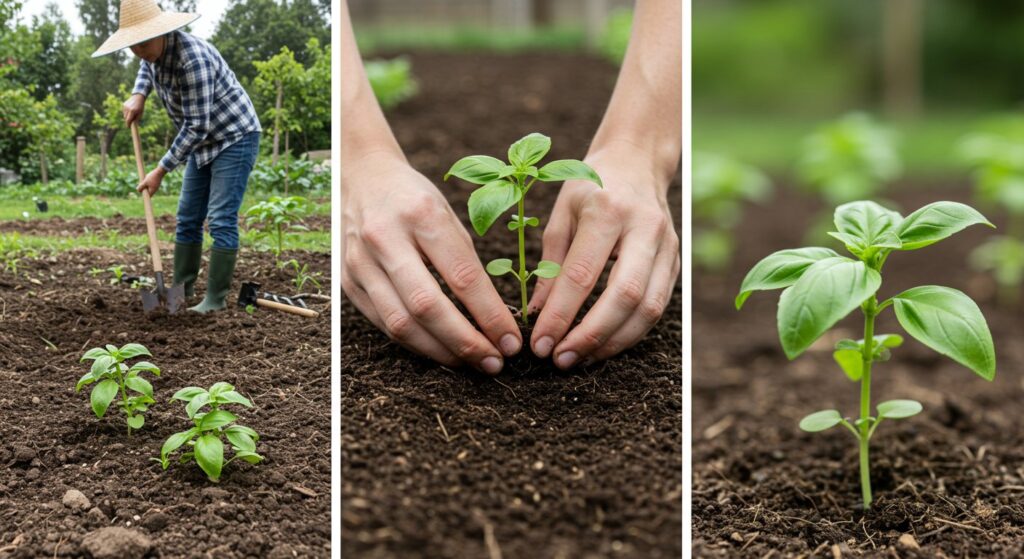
172, 297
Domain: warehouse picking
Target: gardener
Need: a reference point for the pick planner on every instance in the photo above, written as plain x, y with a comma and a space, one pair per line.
396, 222
218, 137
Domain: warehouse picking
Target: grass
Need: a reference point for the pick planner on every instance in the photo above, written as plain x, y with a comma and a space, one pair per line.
27, 245
101, 207
463, 38
772, 141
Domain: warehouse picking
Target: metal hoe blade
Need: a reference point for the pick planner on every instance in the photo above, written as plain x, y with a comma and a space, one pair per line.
171, 298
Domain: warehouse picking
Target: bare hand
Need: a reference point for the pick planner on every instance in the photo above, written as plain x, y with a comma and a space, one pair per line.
396, 223
133, 108
628, 221
152, 181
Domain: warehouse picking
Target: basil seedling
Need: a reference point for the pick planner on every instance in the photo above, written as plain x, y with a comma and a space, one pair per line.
204, 439
506, 185
115, 377
822, 287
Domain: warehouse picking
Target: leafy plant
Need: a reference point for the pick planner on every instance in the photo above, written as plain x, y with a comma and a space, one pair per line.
250, 309
821, 287
276, 215
506, 185
113, 377
302, 275
391, 80
615, 36
205, 440
117, 272
720, 188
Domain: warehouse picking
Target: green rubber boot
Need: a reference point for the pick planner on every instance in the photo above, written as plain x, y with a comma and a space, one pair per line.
187, 259
218, 280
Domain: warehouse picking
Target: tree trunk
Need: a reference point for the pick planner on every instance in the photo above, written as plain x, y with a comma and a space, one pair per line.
103, 155
277, 120
901, 56
42, 167
79, 159
287, 160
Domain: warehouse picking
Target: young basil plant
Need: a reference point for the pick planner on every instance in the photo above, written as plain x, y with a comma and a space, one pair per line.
114, 377
505, 185
204, 441
821, 287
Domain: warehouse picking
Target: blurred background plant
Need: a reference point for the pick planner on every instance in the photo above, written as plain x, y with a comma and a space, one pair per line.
720, 188
391, 80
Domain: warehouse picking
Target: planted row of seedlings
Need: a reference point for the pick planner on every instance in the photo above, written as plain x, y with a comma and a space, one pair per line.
117, 382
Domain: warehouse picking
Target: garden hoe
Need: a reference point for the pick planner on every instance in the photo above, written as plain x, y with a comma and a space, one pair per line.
250, 295
159, 296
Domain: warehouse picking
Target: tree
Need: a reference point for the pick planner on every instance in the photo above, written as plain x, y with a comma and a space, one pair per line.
281, 78
48, 68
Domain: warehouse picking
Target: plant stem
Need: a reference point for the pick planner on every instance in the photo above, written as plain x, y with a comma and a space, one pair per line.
124, 396
522, 255
870, 311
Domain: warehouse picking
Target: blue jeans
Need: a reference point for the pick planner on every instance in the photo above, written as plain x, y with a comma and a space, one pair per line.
214, 193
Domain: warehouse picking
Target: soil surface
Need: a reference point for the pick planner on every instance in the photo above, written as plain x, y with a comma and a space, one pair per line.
57, 226
50, 441
535, 462
950, 480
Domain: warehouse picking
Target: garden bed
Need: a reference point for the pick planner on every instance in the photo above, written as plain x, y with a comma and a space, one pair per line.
51, 442
534, 462
950, 478
56, 226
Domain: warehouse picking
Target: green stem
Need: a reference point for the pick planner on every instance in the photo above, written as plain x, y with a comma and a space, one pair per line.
522, 255
870, 311
124, 395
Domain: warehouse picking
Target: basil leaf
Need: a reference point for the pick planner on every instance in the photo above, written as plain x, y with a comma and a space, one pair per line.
478, 169
210, 455
101, 396
937, 221
528, 150
568, 169
488, 202
820, 421
499, 266
780, 269
898, 409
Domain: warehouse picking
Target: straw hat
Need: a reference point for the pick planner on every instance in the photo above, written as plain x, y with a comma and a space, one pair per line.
142, 20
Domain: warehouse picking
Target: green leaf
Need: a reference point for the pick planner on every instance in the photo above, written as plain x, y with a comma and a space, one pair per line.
949, 322
499, 266
196, 403
848, 344
133, 350
215, 419
101, 396
241, 440
243, 429
851, 361
136, 422
820, 421
232, 397
250, 457
218, 388
140, 385
145, 366
889, 340
513, 224
479, 169
101, 365
210, 455
528, 150
188, 393
868, 224
568, 169
488, 202
87, 378
898, 409
94, 353
827, 291
935, 222
547, 269
780, 269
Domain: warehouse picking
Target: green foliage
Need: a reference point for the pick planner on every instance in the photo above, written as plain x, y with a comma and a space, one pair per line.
303, 276
302, 175
31, 128
297, 98
615, 37
276, 215
391, 80
114, 377
721, 186
506, 185
12, 251
204, 442
821, 287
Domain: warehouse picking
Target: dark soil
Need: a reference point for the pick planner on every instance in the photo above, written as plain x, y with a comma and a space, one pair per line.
535, 463
51, 442
951, 477
57, 226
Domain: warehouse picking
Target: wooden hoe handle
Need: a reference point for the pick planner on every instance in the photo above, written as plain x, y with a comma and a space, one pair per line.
154, 248
309, 313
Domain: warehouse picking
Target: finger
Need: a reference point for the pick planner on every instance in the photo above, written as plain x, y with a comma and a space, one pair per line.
454, 258
395, 320
557, 237
659, 293
432, 309
583, 265
625, 292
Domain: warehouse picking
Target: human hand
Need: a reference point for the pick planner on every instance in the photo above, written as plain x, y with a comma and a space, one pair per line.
152, 181
395, 224
627, 220
133, 108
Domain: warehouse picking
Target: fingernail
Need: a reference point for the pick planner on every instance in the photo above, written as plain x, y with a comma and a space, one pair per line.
566, 359
544, 346
491, 365
510, 345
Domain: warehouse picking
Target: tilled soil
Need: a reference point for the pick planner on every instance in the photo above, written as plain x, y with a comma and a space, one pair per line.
57, 226
50, 441
535, 462
951, 478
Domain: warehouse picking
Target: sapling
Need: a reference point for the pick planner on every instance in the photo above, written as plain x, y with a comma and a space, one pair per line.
113, 376
822, 287
505, 185
205, 439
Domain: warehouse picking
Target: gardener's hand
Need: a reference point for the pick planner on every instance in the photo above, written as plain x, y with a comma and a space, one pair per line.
152, 181
629, 221
395, 224
133, 108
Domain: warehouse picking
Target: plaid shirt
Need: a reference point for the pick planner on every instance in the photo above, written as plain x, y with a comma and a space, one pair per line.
201, 94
